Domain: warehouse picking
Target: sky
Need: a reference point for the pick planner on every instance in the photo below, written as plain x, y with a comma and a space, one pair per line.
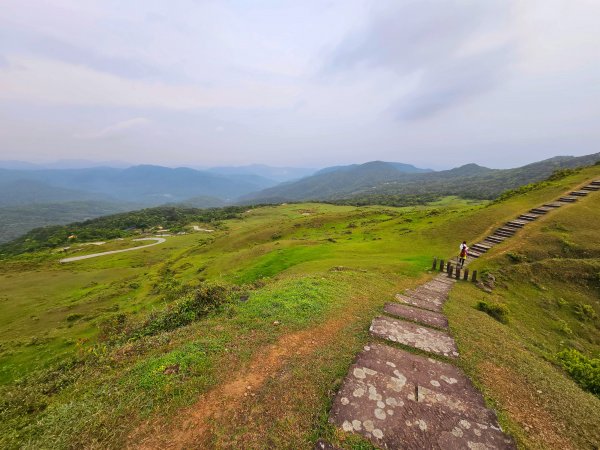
435, 83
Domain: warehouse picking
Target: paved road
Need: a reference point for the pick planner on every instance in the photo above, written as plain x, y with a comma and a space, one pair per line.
112, 252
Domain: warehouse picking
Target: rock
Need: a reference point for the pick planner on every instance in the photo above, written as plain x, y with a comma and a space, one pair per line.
171, 370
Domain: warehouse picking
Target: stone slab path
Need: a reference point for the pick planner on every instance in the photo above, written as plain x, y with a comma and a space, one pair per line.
416, 315
414, 335
400, 399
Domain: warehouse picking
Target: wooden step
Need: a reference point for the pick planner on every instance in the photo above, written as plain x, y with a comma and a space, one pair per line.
478, 249
481, 244
595, 183
553, 205
579, 193
591, 187
568, 199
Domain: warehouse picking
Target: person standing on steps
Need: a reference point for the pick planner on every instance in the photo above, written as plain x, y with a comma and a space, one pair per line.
462, 256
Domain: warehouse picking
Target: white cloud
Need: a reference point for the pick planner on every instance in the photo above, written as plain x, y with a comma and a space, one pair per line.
116, 130
39, 80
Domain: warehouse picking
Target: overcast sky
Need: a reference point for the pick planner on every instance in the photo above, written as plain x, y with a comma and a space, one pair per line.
435, 83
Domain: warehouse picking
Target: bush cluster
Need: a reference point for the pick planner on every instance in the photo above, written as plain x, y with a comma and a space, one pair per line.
498, 311
192, 306
585, 371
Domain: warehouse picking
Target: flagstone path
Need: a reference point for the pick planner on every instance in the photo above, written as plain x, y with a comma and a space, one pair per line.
399, 399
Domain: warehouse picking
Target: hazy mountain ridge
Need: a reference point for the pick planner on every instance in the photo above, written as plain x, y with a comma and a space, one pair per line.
377, 179
146, 184
278, 174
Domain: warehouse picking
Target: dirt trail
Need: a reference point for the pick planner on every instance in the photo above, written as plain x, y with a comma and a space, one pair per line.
193, 430
112, 252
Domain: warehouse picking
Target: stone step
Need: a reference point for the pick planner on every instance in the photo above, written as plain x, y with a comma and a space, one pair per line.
508, 230
579, 193
495, 239
426, 294
529, 217
397, 399
414, 335
513, 224
595, 183
436, 287
540, 211
480, 248
474, 254
431, 305
553, 205
503, 234
421, 316
591, 187
567, 199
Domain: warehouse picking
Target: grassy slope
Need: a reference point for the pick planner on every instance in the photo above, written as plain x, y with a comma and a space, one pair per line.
386, 249
542, 276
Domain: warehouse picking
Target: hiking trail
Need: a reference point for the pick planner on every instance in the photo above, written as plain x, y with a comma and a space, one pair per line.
400, 399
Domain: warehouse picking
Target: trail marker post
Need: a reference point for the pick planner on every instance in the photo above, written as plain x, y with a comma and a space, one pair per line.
434, 264
466, 276
474, 276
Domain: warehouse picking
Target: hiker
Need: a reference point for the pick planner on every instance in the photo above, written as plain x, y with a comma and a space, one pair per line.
464, 252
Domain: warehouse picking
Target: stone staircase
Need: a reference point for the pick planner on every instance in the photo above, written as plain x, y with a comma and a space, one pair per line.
513, 226
403, 392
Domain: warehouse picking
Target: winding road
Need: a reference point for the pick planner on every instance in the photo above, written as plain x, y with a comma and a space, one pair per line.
112, 252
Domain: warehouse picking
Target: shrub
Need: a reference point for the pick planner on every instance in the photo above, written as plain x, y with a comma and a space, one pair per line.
584, 312
191, 307
564, 328
515, 257
562, 173
498, 311
585, 371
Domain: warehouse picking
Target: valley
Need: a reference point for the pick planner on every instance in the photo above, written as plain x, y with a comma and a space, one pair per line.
249, 330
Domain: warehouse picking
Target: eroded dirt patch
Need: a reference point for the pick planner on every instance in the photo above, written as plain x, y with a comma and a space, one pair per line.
194, 430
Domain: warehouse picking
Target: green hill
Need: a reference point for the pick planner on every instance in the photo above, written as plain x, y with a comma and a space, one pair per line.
15, 221
249, 328
381, 183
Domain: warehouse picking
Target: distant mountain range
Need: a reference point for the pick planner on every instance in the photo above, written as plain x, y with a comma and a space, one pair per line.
30, 196
371, 181
148, 185
279, 174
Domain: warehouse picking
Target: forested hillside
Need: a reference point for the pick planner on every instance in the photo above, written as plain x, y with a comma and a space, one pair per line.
381, 183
